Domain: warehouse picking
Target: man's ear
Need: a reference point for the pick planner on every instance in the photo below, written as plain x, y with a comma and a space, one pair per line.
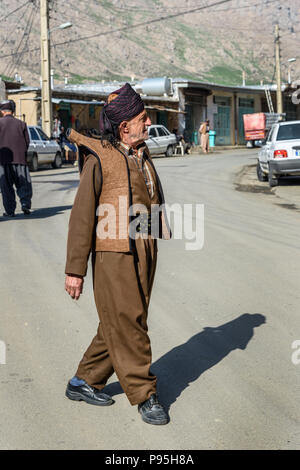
124, 127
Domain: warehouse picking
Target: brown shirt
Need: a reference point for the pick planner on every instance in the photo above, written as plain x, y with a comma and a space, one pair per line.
82, 218
139, 157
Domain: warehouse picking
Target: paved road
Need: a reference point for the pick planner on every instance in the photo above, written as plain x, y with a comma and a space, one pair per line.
222, 322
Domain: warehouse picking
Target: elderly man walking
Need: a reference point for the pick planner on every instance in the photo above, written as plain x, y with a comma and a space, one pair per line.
14, 142
118, 182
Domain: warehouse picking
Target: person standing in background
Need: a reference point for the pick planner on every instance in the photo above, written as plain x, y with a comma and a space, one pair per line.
56, 127
204, 136
14, 143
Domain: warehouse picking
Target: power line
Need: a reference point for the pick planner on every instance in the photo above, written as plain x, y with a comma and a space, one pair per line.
134, 26
10, 66
8, 36
242, 30
57, 17
30, 24
16, 9
125, 28
53, 47
135, 8
290, 33
157, 8
26, 33
152, 11
146, 22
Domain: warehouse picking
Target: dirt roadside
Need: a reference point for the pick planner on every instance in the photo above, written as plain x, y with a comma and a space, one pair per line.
287, 192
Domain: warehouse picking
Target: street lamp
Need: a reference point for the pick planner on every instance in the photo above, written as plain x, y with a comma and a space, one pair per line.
61, 26
290, 61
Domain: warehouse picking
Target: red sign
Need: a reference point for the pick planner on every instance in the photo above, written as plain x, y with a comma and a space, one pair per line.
254, 126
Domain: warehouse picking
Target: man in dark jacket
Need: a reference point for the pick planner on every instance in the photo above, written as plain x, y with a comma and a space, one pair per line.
14, 142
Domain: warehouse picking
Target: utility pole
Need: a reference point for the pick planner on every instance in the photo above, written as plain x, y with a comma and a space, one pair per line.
278, 72
46, 103
244, 78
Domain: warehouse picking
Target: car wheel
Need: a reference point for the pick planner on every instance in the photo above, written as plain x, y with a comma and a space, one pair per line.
169, 152
273, 181
260, 174
34, 164
57, 161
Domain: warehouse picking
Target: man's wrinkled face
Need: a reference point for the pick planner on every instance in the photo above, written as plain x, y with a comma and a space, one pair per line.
135, 131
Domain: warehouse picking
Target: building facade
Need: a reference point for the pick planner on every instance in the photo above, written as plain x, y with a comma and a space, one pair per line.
184, 107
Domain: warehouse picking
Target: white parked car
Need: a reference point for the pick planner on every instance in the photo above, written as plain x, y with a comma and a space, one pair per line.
42, 150
280, 155
161, 140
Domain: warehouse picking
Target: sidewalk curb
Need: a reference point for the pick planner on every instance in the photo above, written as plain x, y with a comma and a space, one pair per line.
197, 148
245, 180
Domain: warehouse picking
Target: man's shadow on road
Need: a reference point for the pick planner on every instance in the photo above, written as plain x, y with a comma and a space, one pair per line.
185, 363
42, 213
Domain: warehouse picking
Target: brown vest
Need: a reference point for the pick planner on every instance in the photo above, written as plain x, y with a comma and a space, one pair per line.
122, 185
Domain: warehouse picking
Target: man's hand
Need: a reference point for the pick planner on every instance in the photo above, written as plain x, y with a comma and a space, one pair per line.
74, 285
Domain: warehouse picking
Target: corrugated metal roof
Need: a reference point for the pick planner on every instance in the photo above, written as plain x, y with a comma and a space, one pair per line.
64, 100
210, 85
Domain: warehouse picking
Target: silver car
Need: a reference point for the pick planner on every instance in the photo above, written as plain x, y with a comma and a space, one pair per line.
161, 140
42, 150
280, 156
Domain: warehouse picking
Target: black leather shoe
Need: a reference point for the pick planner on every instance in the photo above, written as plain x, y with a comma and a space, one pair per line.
26, 211
89, 394
8, 215
152, 411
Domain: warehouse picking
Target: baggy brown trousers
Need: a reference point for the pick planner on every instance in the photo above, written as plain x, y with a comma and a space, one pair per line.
205, 142
122, 289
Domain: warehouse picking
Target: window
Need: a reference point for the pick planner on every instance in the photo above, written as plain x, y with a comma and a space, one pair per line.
161, 132
289, 132
246, 102
290, 109
270, 134
222, 100
33, 134
195, 98
42, 134
152, 132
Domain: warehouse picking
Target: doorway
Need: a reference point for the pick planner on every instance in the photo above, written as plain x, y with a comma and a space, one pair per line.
222, 120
